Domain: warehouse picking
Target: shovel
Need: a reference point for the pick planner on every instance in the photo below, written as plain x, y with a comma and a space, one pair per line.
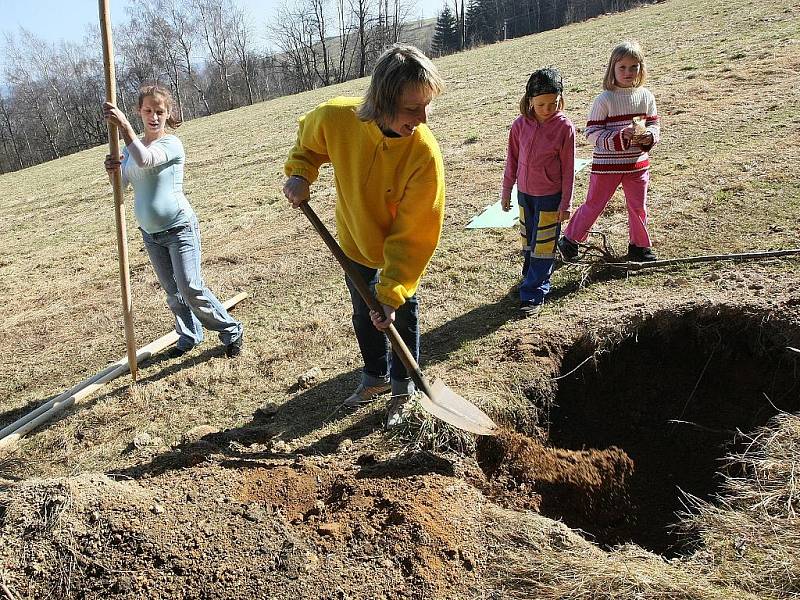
437, 399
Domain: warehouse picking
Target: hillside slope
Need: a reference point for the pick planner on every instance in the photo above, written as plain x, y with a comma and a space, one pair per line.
249, 484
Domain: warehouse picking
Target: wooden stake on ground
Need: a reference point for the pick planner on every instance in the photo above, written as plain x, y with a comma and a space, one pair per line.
116, 180
14, 432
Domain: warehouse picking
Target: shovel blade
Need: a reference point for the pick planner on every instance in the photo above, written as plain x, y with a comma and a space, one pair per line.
451, 408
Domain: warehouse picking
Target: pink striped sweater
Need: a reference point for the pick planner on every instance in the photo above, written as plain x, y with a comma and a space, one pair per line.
611, 112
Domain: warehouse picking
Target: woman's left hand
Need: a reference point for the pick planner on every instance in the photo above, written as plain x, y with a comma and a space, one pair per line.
112, 164
564, 215
382, 322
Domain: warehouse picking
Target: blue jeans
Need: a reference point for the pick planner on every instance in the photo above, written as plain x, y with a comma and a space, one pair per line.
379, 362
175, 256
542, 229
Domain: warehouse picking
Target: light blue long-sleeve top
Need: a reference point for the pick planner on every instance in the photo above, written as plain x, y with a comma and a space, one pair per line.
159, 203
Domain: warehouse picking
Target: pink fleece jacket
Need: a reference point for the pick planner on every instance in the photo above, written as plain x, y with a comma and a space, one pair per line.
541, 158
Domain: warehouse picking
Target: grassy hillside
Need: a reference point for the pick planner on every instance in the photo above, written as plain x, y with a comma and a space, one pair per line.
725, 74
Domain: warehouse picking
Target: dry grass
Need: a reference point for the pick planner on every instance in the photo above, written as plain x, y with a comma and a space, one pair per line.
419, 432
752, 532
725, 74
630, 573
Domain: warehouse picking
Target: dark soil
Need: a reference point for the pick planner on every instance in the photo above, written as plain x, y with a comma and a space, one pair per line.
675, 395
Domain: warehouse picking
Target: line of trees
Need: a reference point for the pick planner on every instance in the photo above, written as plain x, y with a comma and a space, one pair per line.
479, 22
205, 51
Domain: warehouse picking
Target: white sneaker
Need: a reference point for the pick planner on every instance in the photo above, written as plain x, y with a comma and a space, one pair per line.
365, 394
395, 410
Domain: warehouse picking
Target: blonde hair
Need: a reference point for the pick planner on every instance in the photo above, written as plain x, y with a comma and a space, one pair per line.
626, 49
398, 67
162, 93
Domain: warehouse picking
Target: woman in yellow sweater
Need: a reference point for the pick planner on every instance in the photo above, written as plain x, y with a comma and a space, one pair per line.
390, 204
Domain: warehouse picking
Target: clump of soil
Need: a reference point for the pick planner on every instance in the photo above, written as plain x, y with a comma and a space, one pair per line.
582, 488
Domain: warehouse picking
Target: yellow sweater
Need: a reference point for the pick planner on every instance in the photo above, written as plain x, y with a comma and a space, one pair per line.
390, 192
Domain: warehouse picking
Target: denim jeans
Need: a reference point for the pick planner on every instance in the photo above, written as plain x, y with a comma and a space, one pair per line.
379, 362
542, 228
175, 256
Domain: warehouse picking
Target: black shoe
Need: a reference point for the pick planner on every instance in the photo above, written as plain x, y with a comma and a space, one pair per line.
639, 254
568, 249
233, 350
529, 309
175, 352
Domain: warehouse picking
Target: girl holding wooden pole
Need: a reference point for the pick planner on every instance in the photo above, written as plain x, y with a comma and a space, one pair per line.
153, 165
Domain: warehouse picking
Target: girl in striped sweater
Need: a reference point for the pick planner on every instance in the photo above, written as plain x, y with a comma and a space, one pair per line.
623, 125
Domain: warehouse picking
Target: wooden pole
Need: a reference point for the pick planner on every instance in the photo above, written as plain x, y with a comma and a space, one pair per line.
638, 266
116, 180
11, 434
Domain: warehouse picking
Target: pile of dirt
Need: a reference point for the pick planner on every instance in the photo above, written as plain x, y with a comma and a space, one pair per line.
305, 528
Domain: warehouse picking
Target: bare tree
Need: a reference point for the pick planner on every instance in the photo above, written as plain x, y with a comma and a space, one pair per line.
215, 28
158, 14
319, 8
33, 97
300, 31
241, 30
9, 135
184, 20
360, 9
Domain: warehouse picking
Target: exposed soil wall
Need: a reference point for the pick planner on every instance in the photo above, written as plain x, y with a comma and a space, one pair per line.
674, 392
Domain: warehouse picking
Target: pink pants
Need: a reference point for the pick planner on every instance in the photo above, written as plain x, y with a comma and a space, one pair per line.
601, 188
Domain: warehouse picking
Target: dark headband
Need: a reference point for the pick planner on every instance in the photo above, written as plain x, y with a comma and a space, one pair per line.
544, 81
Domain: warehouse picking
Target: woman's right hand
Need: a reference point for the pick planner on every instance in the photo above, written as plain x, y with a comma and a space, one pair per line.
296, 189
111, 164
114, 115
505, 203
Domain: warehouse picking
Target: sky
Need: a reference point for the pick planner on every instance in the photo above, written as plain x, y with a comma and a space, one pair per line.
56, 20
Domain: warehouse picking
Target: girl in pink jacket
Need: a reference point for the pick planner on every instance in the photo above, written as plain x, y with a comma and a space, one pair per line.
541, 161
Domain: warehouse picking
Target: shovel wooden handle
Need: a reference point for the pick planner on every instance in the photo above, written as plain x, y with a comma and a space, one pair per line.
398, 345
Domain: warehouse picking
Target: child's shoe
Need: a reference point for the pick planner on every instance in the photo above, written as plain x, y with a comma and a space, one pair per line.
529, 309
403, 391
568, 249
639, 254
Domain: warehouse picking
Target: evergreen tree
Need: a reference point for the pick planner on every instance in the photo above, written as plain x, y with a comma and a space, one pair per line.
445, 36
483, 22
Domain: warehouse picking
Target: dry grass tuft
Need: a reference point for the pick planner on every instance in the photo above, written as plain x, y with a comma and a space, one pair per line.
10, 466
630, 573
752, 532
421, 432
